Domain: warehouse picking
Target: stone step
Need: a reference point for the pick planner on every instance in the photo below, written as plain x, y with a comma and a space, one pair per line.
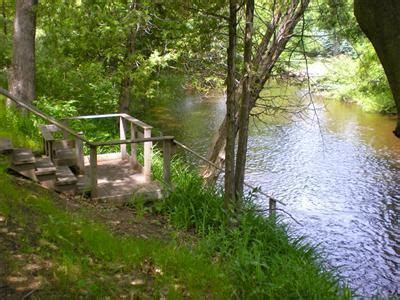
6, 146
21, 156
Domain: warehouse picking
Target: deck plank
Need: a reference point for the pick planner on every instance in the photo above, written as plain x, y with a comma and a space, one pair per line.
119, 181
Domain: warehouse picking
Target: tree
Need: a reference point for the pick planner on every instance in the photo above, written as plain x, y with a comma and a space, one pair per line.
244, 112
22, 75
126, 81
230, 192
276, 34
380, 21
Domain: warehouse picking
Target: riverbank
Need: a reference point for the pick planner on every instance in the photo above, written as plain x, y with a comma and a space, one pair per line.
197, 249
343, 77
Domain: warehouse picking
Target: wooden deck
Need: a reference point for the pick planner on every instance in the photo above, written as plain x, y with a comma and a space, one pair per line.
118, 181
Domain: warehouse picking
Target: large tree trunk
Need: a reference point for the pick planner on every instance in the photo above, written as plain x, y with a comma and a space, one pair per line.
22, 75
244, 111
230, 107
380, 21
274, 41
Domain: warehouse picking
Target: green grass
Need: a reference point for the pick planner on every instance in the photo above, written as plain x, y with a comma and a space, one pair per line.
87, 255
256, 252
21, 130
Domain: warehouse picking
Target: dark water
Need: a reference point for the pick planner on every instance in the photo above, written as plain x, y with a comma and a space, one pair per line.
338, 172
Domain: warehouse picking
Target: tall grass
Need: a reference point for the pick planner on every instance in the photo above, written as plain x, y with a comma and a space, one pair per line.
21, 129
256, 252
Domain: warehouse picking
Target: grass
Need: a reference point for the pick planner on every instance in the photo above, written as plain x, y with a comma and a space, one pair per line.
231, 255
87, 256
256, 252
21, 130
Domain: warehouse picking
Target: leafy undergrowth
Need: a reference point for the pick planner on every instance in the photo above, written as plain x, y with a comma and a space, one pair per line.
76, 256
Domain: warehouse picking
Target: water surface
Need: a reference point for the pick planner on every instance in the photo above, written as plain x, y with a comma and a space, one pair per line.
337, 170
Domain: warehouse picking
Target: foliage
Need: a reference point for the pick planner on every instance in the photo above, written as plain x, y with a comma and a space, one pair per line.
20, 129
372, 84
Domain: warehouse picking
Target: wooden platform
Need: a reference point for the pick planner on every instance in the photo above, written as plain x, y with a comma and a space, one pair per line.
119, 182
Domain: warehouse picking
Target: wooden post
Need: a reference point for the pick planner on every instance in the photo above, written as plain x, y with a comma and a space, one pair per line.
65, 134
133, 146
167, 161
80, 155
147, 155
272, 207
93, 171
122, 136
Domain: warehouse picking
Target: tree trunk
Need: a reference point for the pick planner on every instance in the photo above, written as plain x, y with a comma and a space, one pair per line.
22, 75
230, 107
3, 13
245, 105
278, 33
126, 81
380, 21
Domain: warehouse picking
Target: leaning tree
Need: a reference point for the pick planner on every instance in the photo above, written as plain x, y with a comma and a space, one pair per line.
380, 21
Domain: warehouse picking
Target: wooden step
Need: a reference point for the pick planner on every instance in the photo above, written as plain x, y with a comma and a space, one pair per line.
64, 176
83, 184
6, 146
26, 170
45, 172
65, 157
21, 156
44, 166
65, 180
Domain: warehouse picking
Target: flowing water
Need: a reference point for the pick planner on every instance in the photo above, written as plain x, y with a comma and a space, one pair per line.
338, 171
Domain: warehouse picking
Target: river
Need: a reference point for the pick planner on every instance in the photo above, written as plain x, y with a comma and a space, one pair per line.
338, 171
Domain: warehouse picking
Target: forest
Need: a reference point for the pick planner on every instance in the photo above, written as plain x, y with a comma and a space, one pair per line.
199, 149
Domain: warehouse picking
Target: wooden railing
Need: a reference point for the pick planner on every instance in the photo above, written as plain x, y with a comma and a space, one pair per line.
140, 132
138, 129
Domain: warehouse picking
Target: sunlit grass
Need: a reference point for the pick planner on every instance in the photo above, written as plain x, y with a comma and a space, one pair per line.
87, 256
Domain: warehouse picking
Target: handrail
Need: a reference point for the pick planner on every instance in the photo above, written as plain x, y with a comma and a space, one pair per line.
42, 115
136, 121
122, 115
220, 169
92, 117
133, 141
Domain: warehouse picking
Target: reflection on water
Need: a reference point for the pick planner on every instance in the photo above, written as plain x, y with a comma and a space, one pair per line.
340, 177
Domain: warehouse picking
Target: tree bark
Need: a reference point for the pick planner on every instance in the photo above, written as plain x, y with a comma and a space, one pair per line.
380, 21
245, 104
22, 75
3, 13
230, 107
277, 34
